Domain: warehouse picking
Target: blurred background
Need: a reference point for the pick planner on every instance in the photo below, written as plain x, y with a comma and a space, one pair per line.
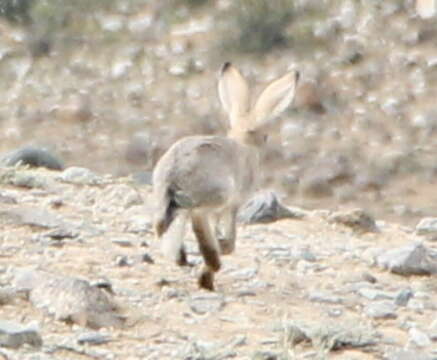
111, 84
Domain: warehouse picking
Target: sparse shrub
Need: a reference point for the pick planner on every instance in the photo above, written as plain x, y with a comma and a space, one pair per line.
16, 10
194, 3
258, 25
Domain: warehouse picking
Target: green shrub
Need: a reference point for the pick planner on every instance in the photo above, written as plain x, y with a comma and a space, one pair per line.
257, 25
194, 3
16, 10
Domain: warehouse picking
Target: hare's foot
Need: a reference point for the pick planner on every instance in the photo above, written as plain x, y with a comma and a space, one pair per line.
206, 279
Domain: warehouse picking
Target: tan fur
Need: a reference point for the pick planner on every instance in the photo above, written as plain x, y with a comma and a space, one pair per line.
209, 177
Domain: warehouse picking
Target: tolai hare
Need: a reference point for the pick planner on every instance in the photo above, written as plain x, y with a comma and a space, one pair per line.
207, 178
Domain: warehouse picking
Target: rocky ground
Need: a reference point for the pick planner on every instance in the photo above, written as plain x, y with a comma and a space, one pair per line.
109, 86
82, 278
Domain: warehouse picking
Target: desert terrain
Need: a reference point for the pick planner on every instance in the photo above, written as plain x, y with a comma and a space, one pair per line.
348, 273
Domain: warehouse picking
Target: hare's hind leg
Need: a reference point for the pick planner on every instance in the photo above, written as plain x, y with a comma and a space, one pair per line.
172, 245
227, 241
209, 249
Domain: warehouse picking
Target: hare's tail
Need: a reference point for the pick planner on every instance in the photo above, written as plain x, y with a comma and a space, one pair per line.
167, 212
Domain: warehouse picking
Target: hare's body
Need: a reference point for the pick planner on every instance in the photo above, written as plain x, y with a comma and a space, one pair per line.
205, 172
207, 178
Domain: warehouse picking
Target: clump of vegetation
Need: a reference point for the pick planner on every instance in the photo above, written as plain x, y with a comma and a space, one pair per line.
258, 25
16, 10
195, 3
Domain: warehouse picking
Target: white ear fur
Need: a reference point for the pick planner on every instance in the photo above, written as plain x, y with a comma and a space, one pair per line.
275, 98
233, 92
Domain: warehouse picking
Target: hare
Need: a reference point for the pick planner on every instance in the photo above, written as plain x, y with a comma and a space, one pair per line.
207, 178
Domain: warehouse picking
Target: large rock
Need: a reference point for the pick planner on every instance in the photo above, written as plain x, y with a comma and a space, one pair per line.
14, 335
32, 156
69, 299
412, 259
330, 336
265, 207
427, 227
23, 178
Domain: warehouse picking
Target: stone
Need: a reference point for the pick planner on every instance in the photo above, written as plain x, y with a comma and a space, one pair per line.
357, 219
69, 299
318, 296
147, 258
427, 227
330, 337
79, 175
22, 178
122, 260
418, 337
122, 242
375, 294
412, 259
265, 355
32, 156
403, 297
208, 303
265, 207
381, 310
13, 335
93, 338
62, 233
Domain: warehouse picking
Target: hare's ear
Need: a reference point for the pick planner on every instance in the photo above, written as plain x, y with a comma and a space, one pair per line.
233, 92
275, 98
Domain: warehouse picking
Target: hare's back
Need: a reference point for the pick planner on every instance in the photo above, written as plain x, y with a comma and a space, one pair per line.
202, 171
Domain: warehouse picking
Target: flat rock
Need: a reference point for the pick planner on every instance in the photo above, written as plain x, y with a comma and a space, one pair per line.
208, 303
322, 297
79, 175
93, 338
412, 259
14, 335
330, 337
265, 207
69, 299
22, 178
32, 216
381, 310
375, 294
357, 219
427, 227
